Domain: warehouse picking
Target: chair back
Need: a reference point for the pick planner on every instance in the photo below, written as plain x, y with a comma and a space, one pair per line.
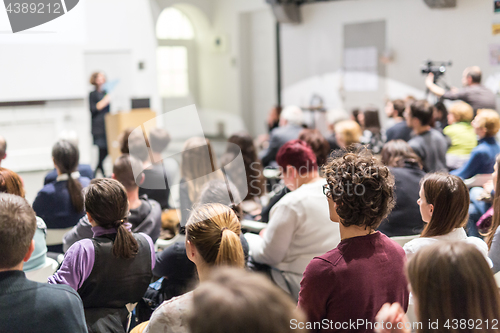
41, 274
55, 236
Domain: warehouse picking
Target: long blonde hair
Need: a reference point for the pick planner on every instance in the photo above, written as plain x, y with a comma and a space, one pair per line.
199, 166
214, 229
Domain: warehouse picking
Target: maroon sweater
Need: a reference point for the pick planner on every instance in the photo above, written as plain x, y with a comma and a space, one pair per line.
344, 289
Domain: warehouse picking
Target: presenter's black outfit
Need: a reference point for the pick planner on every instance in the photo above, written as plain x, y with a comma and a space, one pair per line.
98, 127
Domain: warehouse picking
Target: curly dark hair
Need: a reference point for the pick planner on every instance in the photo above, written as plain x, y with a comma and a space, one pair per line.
361, 187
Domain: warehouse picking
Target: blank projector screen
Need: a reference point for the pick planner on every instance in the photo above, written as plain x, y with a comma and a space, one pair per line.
45, 62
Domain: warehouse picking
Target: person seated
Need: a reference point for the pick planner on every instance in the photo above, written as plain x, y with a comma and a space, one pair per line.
400, 130
299, 228
347, 133
482, 157
450, 283
84, 169
10, 182
440, 116
429, 144
461, 134
404, 219
336, 287
212, 240
160, 174
318, 144
491, 221
333, 117
173, 264
113, 268
27, 306
290, 125
254, 182
444, 202
145, 214
251, 303
3, 149
60, 203
372, 137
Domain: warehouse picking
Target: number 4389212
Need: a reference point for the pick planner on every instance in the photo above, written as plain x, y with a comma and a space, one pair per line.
34, 8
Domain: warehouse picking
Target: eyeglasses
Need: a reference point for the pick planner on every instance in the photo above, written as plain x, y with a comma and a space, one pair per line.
327, 191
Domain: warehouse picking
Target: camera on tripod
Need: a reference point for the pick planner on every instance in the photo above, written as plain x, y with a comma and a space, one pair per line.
437, 68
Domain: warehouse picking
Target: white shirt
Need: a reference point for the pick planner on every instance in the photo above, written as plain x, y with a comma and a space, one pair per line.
458, 234
299, 229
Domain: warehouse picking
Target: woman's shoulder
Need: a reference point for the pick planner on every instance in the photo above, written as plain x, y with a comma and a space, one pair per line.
171, 314
416, 244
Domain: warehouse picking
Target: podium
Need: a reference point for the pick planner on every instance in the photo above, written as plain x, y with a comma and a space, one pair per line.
119, 122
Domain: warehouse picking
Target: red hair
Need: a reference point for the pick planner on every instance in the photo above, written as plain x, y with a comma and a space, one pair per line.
298, 154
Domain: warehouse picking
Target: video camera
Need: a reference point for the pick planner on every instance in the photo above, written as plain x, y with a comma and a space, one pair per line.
437, 68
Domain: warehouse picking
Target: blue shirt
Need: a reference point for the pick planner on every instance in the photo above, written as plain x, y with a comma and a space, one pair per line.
481, 160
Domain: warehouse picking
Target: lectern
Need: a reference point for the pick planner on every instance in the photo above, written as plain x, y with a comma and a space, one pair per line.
118, 122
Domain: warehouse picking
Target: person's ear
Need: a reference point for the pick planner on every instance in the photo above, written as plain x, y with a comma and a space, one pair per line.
91, 220
30, 251
142, 179
113, 176
190, 251
431, 209
291, 171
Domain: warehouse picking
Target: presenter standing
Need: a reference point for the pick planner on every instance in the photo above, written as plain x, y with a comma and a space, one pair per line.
99, 106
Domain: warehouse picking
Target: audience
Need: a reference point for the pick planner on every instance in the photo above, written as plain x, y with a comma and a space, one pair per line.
440, 116
493, 221
198, 167
27, 306
60, 203
113, 268
336, 286
245, 303
347, 133
318, 144
212, 239
404, 220
428, 144
461, 134
400, 130
173, 264
145, 214
372, 137
10, 182
450, 283
290, 125
299, 227
254, 184
443, 202
482, 157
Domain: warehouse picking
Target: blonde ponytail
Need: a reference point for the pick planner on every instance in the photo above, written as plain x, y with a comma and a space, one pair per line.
230, 250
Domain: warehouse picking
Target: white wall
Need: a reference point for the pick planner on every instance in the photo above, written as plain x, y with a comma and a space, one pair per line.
312, 51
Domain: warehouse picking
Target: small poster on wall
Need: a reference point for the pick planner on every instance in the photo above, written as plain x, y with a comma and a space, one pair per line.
496, 6
495, 54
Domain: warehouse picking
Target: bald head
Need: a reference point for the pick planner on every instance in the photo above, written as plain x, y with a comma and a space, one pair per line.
472, 75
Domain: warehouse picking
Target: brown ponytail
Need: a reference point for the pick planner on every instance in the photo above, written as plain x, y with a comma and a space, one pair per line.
214, 230
66, 157
107, 203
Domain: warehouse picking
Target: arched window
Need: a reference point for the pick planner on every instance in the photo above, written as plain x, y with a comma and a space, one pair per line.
175, 35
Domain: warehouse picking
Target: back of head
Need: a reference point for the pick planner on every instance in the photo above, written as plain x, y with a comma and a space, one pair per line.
293, 115
17, 228
107, 204
245, 302
198, 165
138, 145
372, 121
400, 106
396, 153
66, 157
218, 191
3, 147
10, 182
158, 139
298, 154
123, 171
474, 73
423, 111
489, 120
462, 111
361, 187
318, 144
349, 131
244, 142
450, 198
123, 140
452, 280
214, 229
